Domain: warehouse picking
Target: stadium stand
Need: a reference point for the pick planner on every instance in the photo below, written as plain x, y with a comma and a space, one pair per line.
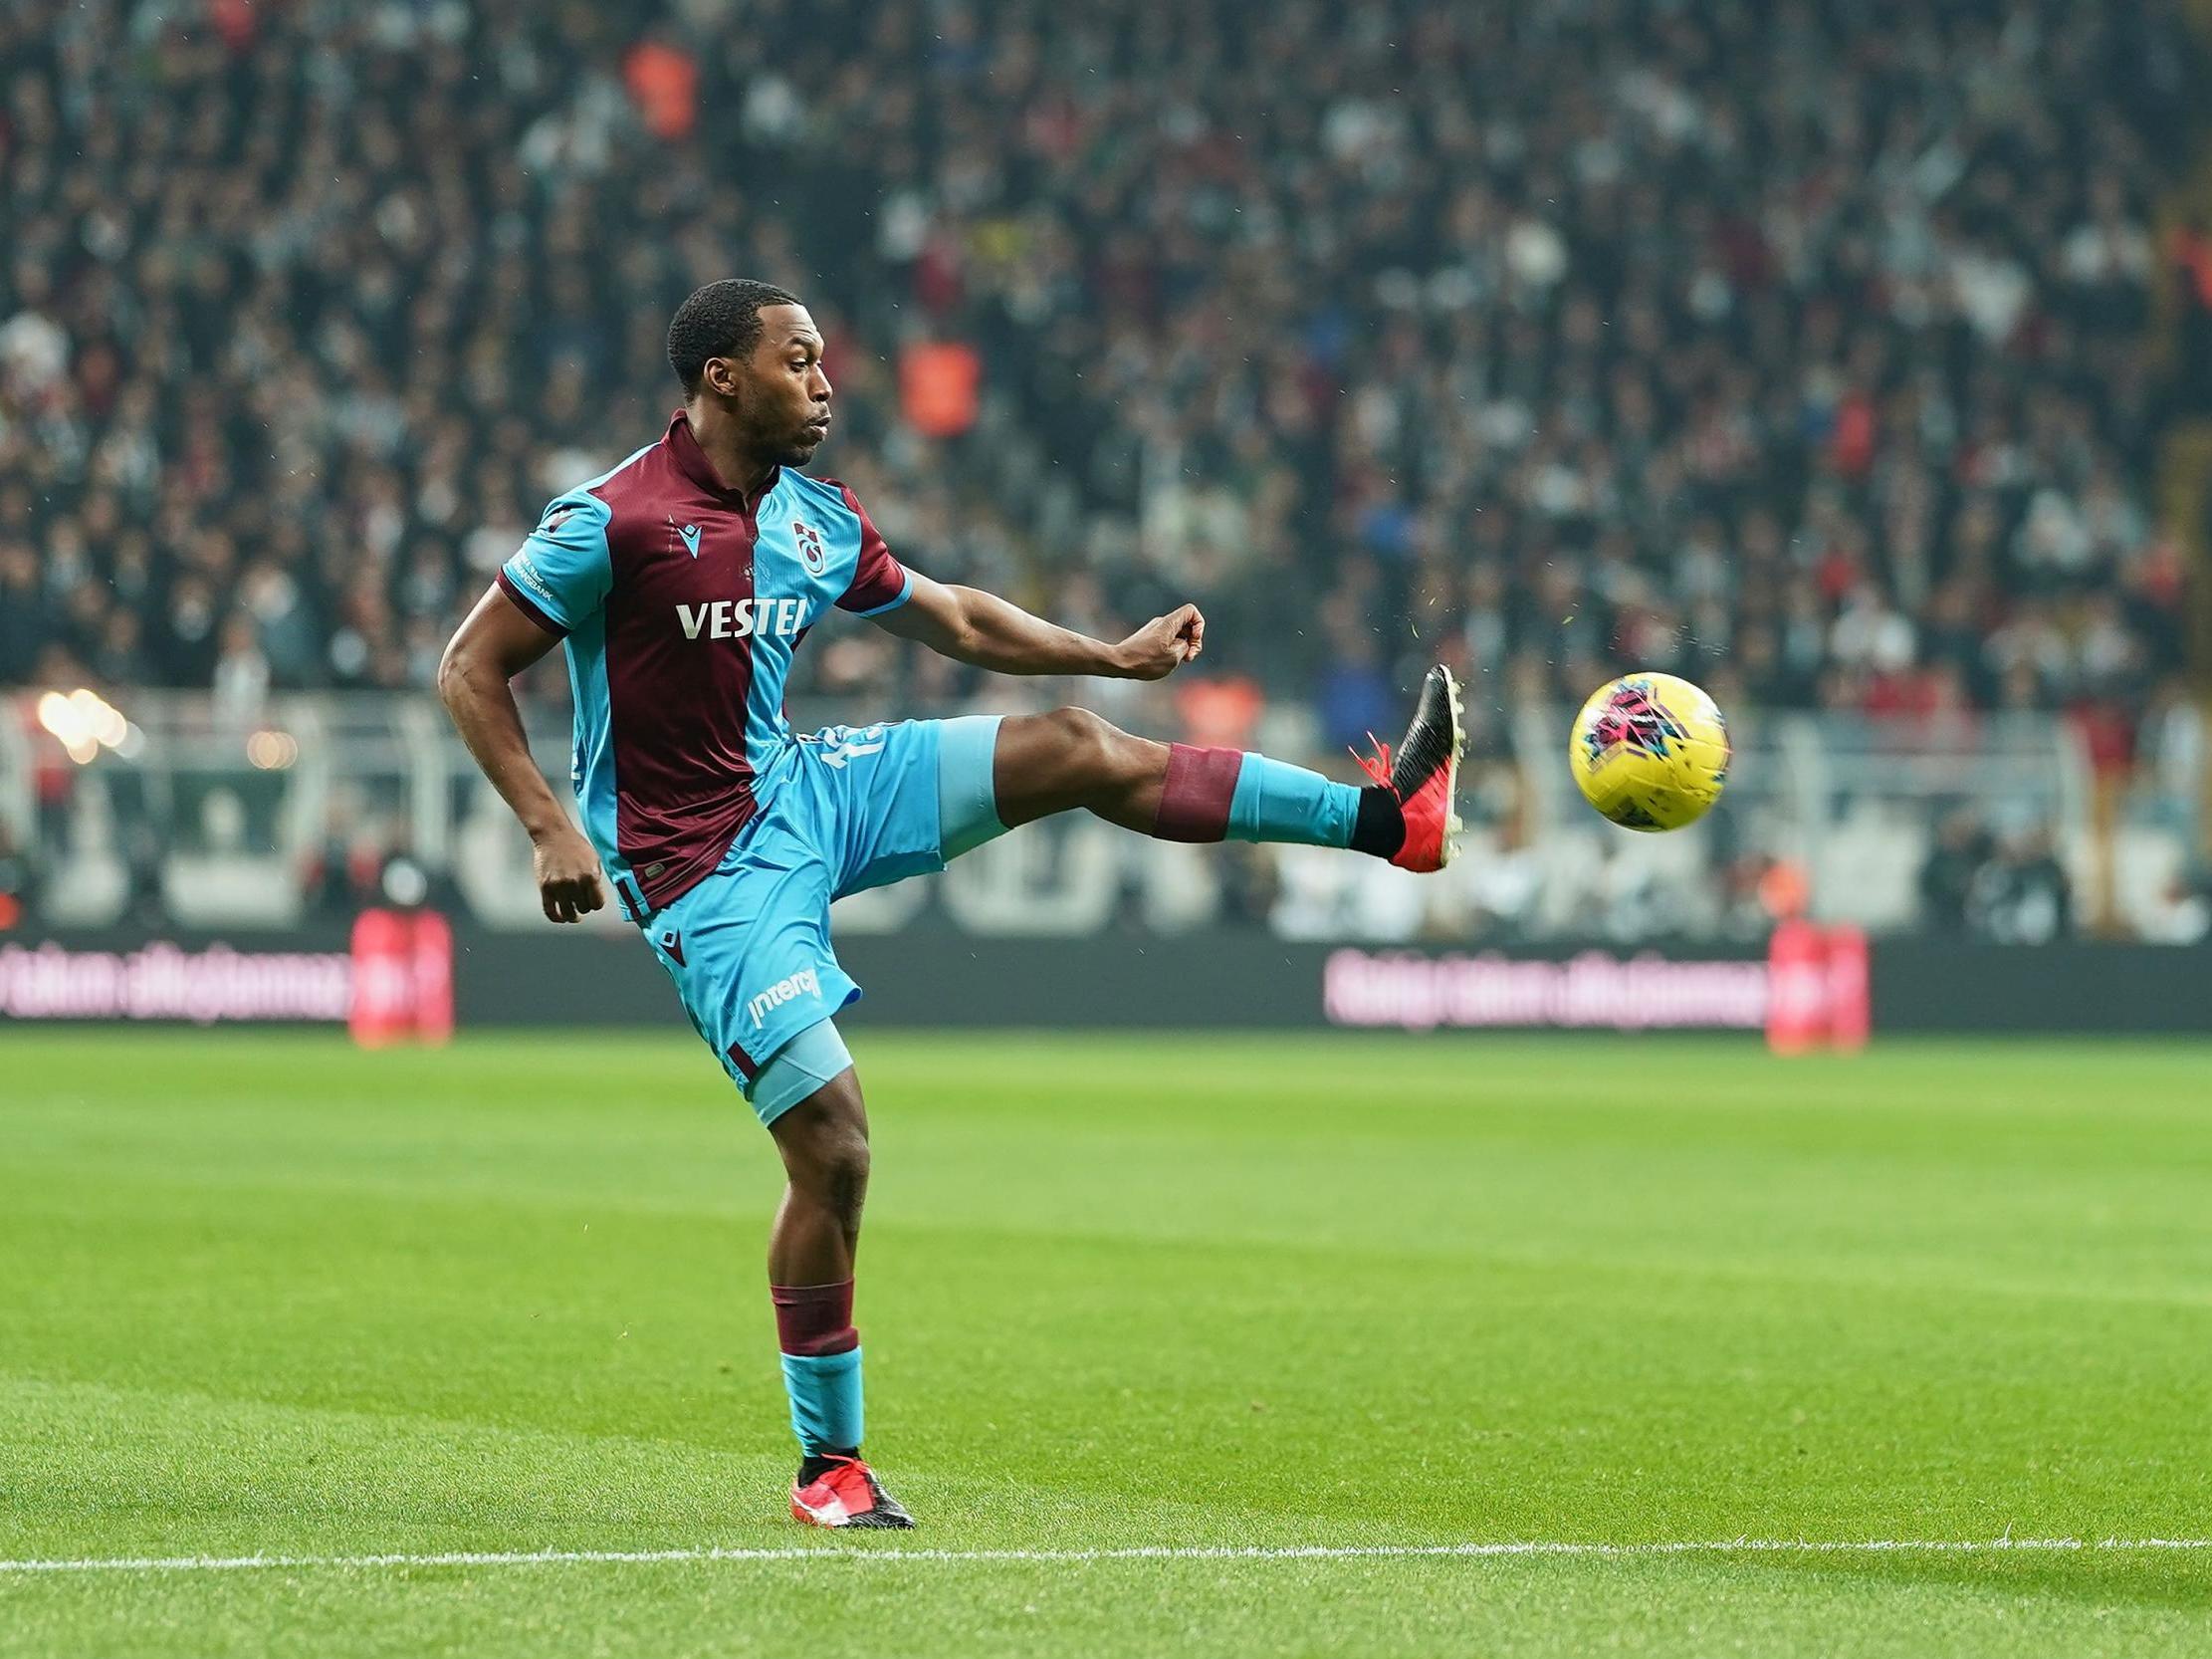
1813, 350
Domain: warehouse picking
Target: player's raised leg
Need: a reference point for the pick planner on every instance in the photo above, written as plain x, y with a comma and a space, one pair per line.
810, 1096
1179, 791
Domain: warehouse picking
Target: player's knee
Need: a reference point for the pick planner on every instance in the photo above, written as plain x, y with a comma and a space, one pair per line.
1092, 746
824, 1142
844, 1152
840, 1170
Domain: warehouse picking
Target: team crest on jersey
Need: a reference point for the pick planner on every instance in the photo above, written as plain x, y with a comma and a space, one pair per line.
809, 542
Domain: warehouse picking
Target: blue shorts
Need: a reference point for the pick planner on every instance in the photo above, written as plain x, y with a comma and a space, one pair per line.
852, 808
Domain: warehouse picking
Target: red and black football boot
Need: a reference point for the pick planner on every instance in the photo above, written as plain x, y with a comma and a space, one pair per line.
1425, 774
847, 1493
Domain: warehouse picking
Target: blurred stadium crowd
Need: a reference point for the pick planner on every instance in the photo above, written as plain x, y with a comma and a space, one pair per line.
1816, 349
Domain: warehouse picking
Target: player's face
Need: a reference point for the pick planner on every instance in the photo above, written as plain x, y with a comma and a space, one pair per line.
786, 395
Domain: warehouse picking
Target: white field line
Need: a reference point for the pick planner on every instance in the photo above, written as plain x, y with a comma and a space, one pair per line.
1141, 1552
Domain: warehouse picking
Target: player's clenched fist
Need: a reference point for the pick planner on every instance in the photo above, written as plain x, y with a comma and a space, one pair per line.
1164, 644
568, 873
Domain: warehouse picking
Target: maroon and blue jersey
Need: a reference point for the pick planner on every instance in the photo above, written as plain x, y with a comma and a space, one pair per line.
681, 604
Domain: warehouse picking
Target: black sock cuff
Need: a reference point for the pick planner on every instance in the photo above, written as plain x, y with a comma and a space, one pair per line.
814, 1465
1380, 828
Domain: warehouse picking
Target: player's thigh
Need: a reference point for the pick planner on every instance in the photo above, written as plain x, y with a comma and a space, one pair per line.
748, 949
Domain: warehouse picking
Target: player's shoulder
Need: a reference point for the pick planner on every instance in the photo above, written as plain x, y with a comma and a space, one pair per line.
830, 494
641, 479
629, 492
574, 518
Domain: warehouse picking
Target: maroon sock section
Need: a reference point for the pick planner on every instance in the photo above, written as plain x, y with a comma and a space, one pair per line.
1194, 802
814, 1318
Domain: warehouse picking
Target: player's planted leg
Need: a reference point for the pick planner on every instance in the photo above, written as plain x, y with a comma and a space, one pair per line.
823, 1139
1179, 791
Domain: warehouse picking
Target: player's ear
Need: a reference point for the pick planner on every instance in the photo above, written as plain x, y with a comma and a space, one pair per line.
720, 376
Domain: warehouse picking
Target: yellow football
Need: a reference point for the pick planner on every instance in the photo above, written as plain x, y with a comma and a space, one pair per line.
1650, 752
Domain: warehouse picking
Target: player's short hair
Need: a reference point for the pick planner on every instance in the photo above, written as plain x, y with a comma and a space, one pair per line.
722, 320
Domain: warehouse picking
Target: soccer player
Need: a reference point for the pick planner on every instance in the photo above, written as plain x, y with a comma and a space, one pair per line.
681, 583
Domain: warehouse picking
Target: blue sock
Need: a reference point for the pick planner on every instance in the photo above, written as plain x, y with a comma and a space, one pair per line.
825, 1399
1278, 802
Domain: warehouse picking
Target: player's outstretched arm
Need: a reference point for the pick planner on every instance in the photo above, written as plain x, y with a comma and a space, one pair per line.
494, 643
972, 626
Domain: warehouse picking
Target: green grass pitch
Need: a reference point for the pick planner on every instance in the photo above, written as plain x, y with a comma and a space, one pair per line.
263, 1295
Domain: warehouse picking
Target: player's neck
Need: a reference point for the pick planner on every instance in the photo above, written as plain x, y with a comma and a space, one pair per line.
738, 466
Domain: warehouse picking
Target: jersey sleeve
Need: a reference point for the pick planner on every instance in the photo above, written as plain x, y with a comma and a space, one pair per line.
879, 582
560, 575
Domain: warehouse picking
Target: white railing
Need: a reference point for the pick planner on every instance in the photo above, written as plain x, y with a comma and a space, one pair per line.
223, 813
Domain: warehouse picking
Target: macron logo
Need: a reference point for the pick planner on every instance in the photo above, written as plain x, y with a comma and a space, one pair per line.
743, 618
782, 991
690, 533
